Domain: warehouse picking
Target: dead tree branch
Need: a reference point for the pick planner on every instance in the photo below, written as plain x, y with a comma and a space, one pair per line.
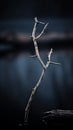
44, 66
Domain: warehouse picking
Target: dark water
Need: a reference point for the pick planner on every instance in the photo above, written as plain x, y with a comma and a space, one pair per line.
18, 77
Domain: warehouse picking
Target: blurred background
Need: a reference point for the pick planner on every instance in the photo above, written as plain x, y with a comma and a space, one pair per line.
19, 73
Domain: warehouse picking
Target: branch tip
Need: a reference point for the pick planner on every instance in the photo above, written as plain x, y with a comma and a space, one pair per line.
36, 20
49, 54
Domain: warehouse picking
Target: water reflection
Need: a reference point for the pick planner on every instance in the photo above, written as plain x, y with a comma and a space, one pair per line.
18, 77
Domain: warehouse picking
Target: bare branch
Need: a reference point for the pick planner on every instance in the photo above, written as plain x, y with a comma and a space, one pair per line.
31, 96
36, 20
35, 44
42, 31
44, 67
55, 63
49, 54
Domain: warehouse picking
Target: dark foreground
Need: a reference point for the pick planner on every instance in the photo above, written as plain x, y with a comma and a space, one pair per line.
51, 119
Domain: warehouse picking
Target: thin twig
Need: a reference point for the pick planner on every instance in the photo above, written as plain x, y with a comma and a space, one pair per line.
44, 66
42, 31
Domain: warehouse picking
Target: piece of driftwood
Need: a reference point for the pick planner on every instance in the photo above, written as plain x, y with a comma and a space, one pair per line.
58, 117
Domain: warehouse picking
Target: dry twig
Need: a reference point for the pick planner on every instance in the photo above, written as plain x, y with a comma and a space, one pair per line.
44, 66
